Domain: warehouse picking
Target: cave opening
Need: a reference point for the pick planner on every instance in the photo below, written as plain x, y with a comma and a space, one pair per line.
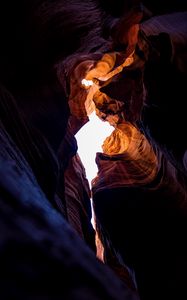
90, 139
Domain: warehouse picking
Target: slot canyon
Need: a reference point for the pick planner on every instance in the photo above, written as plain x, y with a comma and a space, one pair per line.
118, 70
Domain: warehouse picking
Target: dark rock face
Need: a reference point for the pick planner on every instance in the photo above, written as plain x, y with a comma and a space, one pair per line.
33, 146
147, 229
77, 199
38, 248
157, 8
41, 256
165, 80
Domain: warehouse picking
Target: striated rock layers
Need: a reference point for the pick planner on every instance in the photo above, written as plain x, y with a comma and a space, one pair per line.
138, 84
140, 192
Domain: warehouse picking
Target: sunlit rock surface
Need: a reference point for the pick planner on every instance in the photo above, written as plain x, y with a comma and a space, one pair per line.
127, 159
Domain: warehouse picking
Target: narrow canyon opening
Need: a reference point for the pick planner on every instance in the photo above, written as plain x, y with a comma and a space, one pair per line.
91, 136
90, 139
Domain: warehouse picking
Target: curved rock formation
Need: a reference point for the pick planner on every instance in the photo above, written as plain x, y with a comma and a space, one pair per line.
128, 160
137, 82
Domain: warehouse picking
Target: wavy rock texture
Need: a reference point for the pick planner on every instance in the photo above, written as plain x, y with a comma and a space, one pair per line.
77, 197
139, 195
138, 171
128, 160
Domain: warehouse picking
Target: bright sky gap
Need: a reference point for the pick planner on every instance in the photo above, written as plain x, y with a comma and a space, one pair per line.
90, 139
